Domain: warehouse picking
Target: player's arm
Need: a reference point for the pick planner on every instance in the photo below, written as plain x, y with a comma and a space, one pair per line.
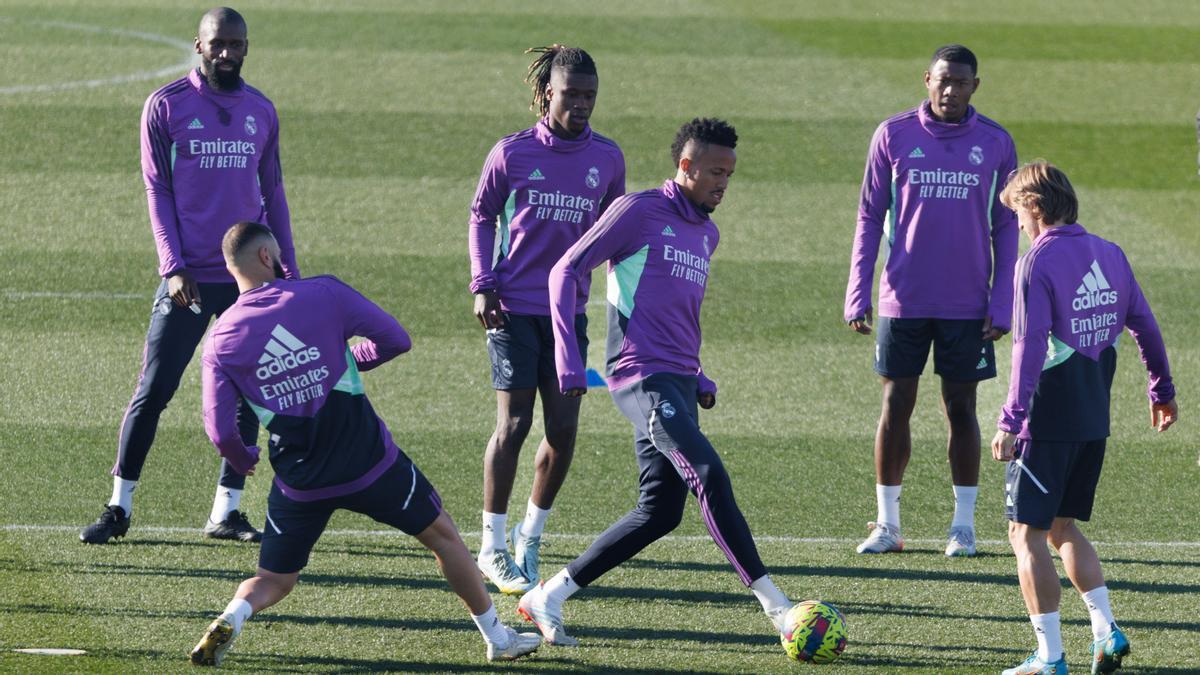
1033, 320
874, 200
160, 197
220, 397
616, 231
1153, 351
706, 390
490, 197
1005, 233
385, 337
279, 217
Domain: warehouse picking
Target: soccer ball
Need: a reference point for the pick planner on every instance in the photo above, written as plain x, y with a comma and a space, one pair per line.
815, 632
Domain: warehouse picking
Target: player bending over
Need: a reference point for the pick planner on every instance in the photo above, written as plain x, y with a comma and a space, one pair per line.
658, 244
282, 348
1073, 294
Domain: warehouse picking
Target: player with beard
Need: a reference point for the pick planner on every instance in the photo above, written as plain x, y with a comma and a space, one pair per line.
210, 158
282, 349
932, 186
540, 190
658, 244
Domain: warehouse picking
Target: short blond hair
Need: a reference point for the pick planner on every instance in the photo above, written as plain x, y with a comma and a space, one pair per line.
1044, 189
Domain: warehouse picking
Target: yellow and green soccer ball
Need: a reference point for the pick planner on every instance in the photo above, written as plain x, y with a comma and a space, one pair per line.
814, 632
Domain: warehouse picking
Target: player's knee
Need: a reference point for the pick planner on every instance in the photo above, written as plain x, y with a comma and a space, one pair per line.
898, 402
1063, 531
560, 434
661, 518
960, 410
511, 430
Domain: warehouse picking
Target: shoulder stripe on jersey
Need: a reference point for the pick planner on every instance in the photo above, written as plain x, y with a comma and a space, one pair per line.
605, 139
615, 212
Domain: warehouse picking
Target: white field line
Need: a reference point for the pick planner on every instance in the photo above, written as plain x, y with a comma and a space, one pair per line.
774, 539
190, 61
75, 295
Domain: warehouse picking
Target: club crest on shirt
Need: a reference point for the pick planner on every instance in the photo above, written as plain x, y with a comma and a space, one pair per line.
707, 251
593, 178
251, 126
976, 155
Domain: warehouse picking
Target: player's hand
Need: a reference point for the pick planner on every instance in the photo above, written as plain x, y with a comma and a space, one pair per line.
706, 399
1002, 446
575, 392
1163, 415
487, 310
862, 325
992, 334
182, 289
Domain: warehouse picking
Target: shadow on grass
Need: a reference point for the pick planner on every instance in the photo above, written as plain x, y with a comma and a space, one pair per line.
541, 662
890, 574
928, 612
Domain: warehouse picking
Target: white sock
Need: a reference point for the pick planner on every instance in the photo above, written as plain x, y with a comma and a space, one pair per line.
773, 601
1049, 636
887, 499
964, 506
238, 611
535, 520
226, 501
560, 587
1100, 611
494, 535
122, 495
489, 624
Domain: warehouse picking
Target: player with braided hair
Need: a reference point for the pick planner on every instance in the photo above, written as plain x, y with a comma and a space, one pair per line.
658, 244
541, 189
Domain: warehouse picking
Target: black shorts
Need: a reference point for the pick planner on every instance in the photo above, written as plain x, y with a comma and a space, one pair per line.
402, 497
522, 350
959, 351
1051, 480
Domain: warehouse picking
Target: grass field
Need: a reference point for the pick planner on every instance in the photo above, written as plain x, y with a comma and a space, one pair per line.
388, 110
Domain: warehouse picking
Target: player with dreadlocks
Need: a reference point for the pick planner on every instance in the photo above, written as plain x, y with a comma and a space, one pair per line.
541, 189
658, 244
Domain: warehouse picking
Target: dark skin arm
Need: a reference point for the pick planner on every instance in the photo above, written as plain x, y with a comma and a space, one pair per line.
182, 288
487, 309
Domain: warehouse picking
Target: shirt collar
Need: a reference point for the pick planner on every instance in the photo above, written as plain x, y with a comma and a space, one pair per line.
547, 137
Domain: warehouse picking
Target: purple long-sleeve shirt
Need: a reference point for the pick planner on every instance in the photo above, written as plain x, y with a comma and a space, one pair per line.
538, 194
933, 190
658, 246
211, 159
282, 348
1073, 295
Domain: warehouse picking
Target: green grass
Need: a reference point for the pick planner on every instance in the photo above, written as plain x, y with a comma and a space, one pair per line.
388, 110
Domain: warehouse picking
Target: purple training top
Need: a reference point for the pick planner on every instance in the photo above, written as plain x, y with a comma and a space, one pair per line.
540, 192
282, 348
1073, 295
938, 185
211, 159
658, 246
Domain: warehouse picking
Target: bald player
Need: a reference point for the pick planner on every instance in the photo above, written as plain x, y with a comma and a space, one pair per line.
210, 158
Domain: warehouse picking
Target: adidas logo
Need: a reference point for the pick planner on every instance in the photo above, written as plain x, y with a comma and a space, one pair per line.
1094, 291
668, 232
284, 352
196, 123
982, 364
537, 175
916, 154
